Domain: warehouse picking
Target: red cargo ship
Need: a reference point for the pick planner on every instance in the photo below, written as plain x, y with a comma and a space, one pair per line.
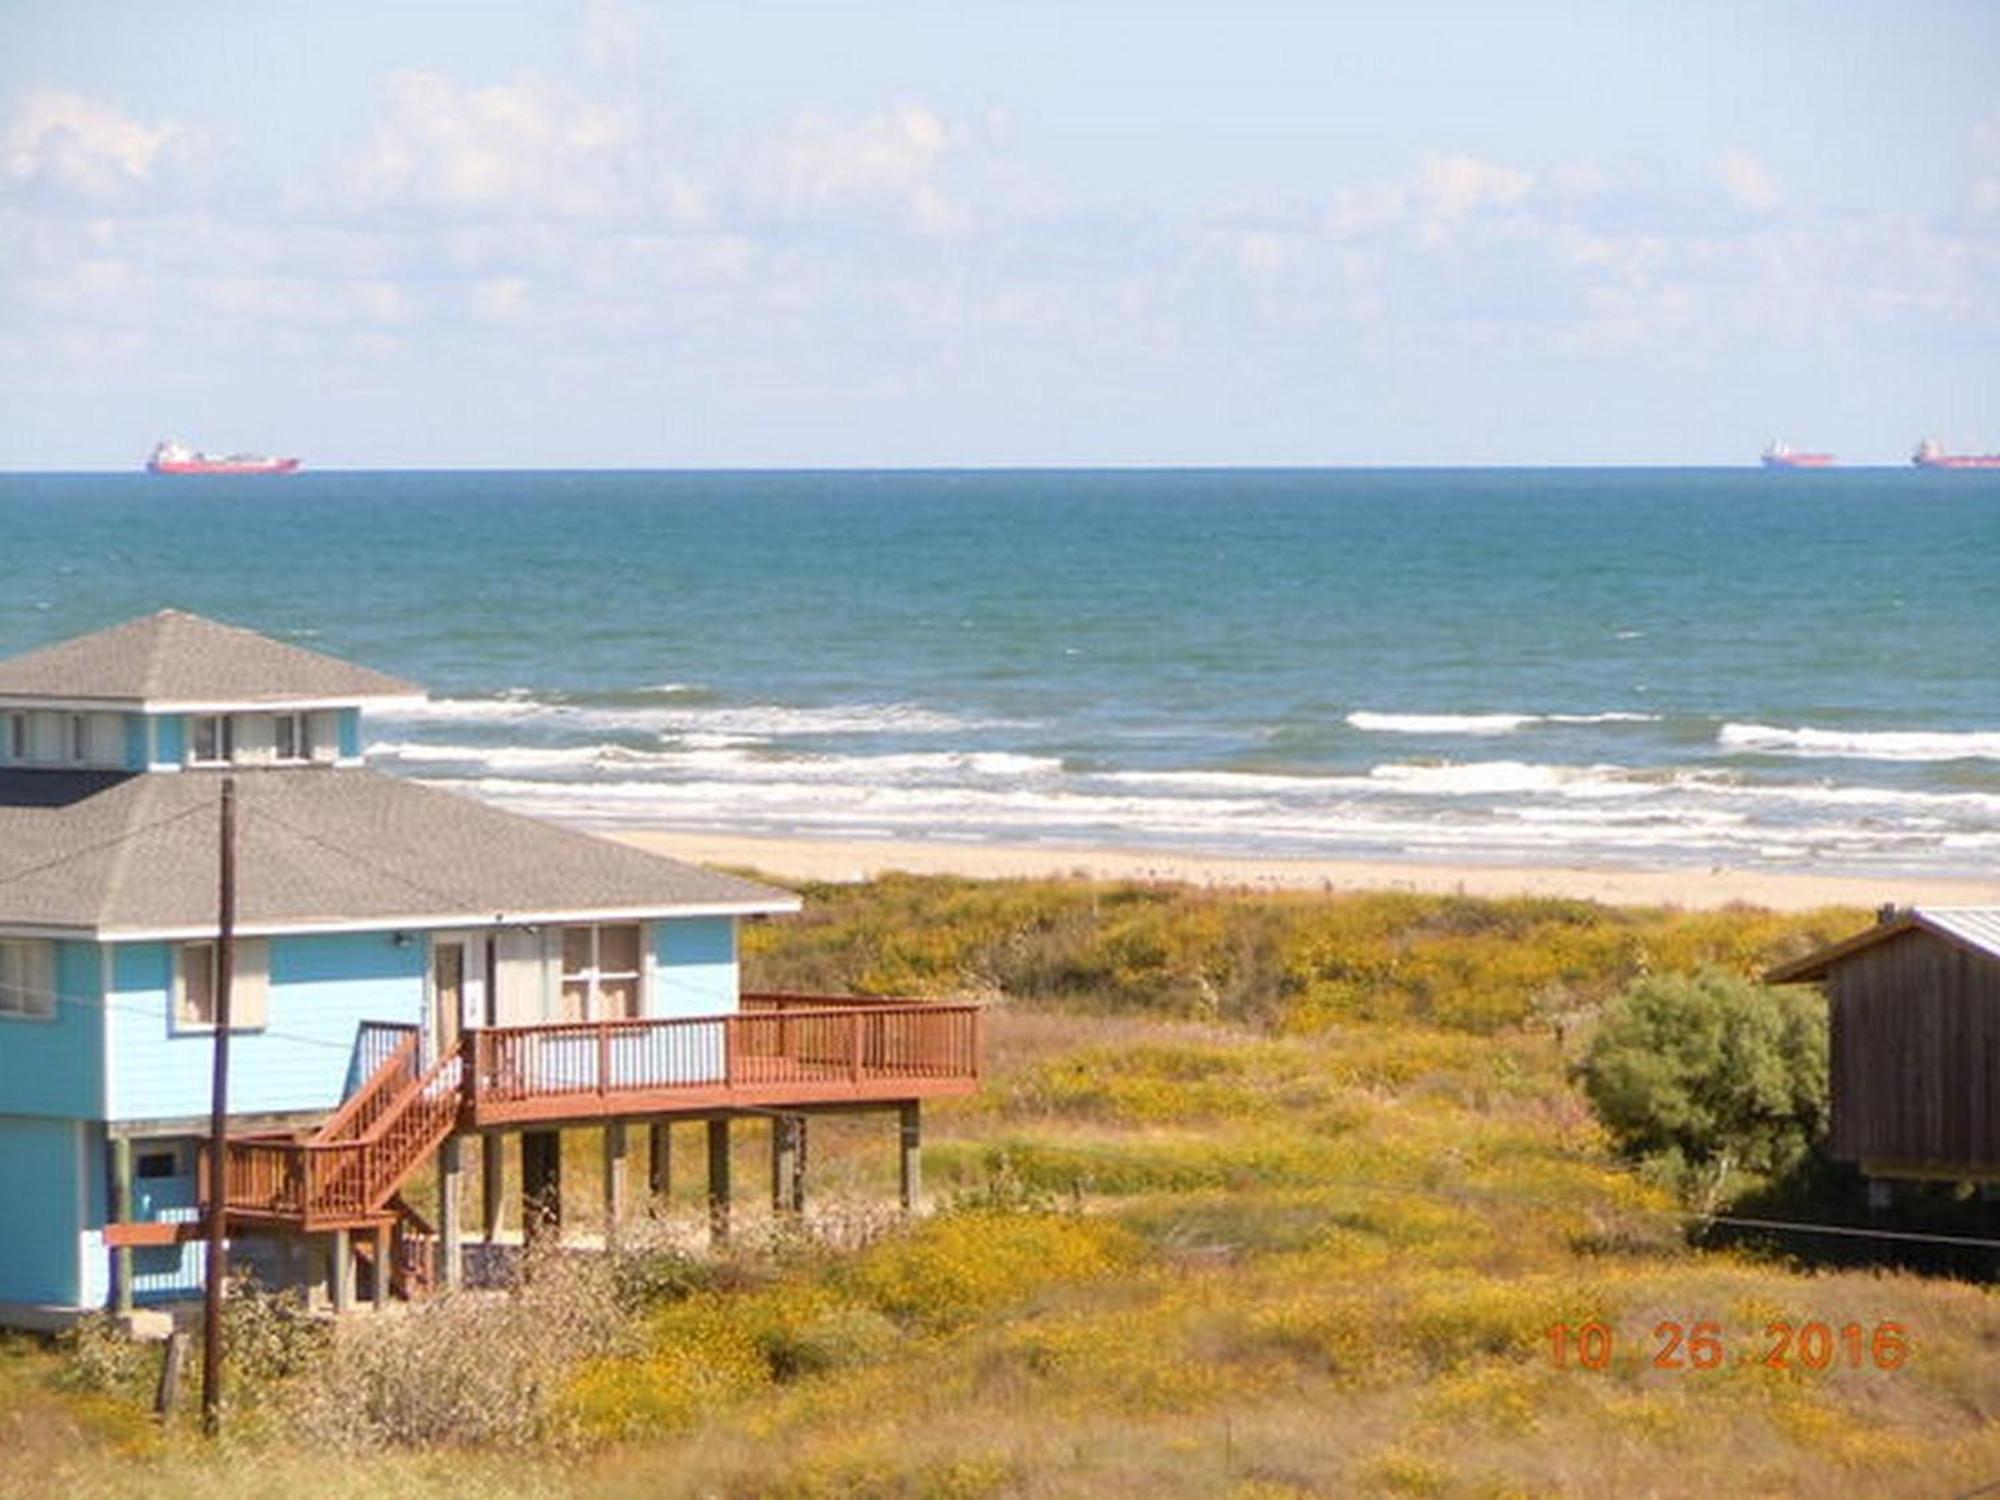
1930, 454
1785, 456
173, 457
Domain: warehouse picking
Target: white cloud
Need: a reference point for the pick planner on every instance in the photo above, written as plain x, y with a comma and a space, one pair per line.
886, 161
501, 299
83, 146
95, 288
1363, 211
1453, 186
532, 147
1748, 181
1265, 252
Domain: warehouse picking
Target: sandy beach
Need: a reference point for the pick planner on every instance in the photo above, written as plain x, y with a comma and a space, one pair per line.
1692, 889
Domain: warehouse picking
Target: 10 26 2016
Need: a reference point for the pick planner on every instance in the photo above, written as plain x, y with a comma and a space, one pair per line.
1704, 1344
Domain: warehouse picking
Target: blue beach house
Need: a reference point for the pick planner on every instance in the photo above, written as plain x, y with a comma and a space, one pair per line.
413, 970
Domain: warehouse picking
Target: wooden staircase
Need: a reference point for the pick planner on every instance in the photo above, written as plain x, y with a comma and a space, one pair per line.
412, 1256
348, 1173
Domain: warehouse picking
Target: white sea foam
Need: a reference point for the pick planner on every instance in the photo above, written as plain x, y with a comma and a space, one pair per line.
1412, 826
1377, 723
755, 768
723, 756
1513, 778
511, 756
1481, 724
761, 721
1845, 744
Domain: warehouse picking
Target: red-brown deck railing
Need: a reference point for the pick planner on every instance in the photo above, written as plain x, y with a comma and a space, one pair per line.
767, 1054
335, 1179
797, 1050
386, 1065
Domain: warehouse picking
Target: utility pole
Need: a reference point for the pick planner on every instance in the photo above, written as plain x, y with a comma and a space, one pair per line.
218, 1124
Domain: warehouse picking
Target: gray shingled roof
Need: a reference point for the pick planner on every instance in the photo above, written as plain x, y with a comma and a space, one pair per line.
176, 658
1974, 927
112, 853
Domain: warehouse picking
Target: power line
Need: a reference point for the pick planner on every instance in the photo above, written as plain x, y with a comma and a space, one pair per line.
451, 899
129, 833
154, 1011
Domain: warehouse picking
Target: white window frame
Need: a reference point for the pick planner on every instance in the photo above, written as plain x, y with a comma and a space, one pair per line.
48, 737
225, 739
28, 979
299, 725
594, 976
250, 989
17, 736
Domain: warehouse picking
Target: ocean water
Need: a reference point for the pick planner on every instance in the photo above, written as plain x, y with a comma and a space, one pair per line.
1795, 671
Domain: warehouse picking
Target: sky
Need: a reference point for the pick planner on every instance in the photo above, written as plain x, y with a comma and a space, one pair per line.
611, 233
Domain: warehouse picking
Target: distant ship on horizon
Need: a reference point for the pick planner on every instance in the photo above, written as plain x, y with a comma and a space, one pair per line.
175, 457
1782, 455
1931, 454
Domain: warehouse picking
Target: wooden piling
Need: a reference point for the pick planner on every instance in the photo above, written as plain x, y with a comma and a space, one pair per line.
492, 1182
910, 1120
340, 1271
614, 1179
451, 1231
541, 1184
718, 1179
660, 1160
785, 1141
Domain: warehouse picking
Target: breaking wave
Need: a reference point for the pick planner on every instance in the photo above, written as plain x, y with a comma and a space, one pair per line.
758, 720
1849, 744
1381, 723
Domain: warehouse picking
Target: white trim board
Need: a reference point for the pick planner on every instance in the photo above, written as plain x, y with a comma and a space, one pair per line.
212, 705
429, 921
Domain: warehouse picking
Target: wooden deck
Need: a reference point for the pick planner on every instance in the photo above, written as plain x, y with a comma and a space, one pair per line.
779, 1051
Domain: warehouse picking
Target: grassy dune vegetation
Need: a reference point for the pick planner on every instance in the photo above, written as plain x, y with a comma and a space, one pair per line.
1267, 1196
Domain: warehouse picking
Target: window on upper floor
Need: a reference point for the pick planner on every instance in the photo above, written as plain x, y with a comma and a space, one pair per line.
306, 737
27, 979
195, 986
292, 736
211, 739
602, 972
46, 737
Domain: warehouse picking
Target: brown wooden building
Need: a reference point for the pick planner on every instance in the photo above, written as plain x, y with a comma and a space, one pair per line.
1915, 1011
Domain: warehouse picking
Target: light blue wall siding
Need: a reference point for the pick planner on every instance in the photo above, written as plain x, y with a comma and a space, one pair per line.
694, 967
56, 1067
350, 733
167, 1272
322, 988
172, 732
136, 750
94, 1288
41, 1250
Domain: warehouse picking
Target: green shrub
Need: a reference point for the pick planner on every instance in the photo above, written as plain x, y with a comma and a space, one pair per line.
1710, 1073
